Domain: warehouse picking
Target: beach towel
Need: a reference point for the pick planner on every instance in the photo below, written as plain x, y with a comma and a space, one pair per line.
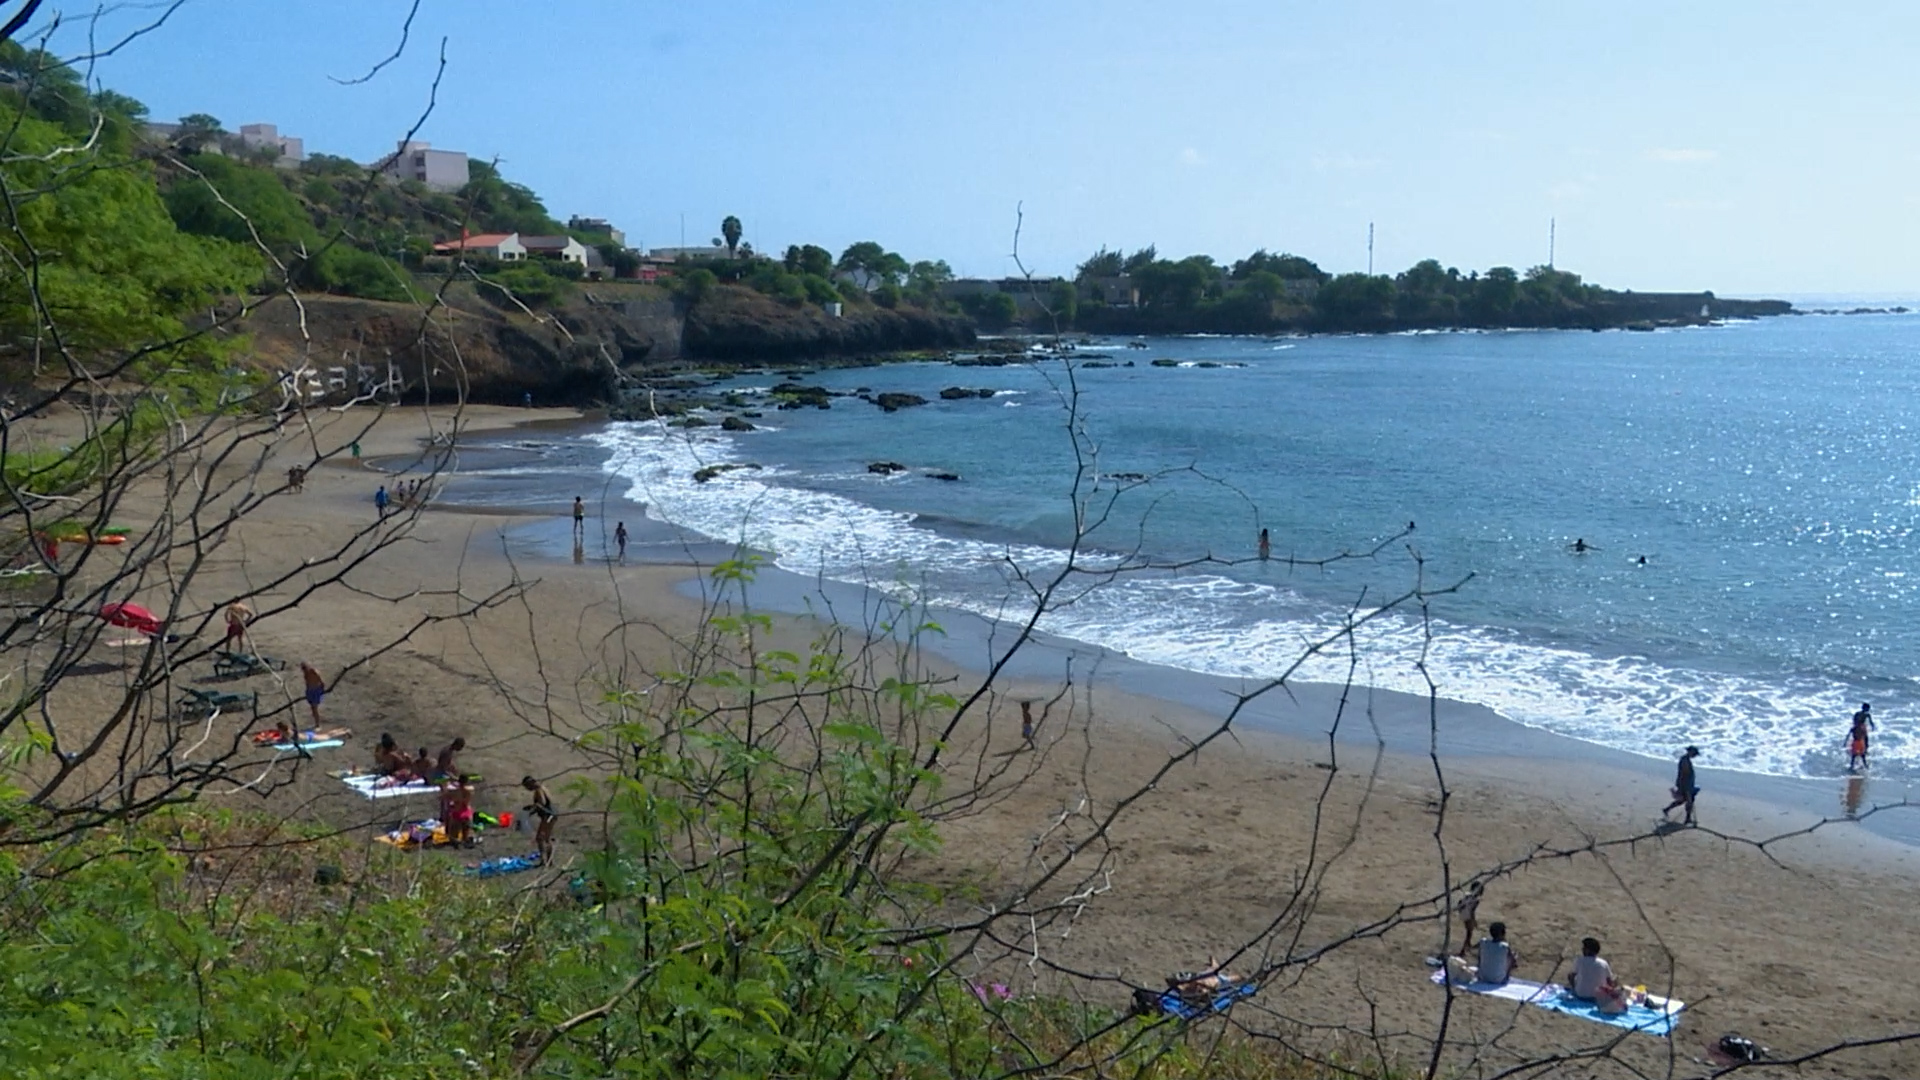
428, 833
505, 864
365, 785
317, 744
1658, 1016
1191, 1006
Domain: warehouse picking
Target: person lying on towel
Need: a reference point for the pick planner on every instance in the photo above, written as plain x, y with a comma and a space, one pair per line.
1203, 984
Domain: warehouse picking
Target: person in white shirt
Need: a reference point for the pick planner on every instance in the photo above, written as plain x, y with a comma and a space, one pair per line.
1591, 974
1497, 958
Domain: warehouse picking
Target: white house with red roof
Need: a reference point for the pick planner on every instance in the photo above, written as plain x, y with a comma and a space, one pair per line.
505, 247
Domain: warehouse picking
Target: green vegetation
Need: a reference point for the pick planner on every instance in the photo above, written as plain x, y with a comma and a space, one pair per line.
1266, 293
744, 914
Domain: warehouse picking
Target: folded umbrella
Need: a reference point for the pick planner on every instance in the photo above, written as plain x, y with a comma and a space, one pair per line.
132, 616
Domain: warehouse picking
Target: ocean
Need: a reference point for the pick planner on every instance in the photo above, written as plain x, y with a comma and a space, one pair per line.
1768, 471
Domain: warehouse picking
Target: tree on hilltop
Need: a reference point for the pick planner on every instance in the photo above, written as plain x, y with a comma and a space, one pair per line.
1102, 263
872, 264
809, 259
197, 132
1285, 267
730, 231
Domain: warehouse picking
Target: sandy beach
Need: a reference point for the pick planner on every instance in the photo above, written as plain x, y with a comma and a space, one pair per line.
1273, 847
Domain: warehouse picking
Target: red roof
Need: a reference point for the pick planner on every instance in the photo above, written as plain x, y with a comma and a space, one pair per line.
484, 240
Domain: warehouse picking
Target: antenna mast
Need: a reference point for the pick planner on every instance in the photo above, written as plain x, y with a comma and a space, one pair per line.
1369, 249
1550, 238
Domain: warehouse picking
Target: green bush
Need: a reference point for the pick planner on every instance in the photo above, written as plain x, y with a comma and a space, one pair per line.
694, 285
350, 271
526, 283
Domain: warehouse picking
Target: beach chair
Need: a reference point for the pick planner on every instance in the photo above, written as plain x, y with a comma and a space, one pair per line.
234, 665
216, 700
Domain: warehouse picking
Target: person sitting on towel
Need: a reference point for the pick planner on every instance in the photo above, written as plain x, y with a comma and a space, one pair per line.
1497, 958
1590, 972
1593, 980
388, 758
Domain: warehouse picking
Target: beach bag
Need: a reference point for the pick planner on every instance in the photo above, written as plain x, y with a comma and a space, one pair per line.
1612, 1000
1741, 1049
1458, 973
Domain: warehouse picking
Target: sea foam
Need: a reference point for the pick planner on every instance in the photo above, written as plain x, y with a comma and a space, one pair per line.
1217, 625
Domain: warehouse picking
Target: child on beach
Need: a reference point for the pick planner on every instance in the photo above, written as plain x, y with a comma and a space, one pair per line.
457, 810
1857, 737
1469, 912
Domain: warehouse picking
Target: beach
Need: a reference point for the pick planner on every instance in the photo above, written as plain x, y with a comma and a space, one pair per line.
1320, 851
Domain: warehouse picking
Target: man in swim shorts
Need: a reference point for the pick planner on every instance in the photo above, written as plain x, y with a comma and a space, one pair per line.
316, 689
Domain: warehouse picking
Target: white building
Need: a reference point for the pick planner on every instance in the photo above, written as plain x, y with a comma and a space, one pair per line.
292, 151
564, 248
441, 170
503, 246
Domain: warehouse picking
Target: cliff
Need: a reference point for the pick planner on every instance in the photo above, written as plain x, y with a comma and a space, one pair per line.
603, 336
738, 324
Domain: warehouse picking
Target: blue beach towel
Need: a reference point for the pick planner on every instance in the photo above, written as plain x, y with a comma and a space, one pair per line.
505, 864
1658, 1016
1188, 1007
320, 744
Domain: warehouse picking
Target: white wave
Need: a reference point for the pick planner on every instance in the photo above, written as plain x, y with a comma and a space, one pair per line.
1222, 626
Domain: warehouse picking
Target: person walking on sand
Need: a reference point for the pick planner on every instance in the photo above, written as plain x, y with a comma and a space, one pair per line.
579, 516
620, 538
381, 500
1857, 737
543, 816
1469, 911
1026, 724
1266, 546
1684, 789
238, 615
316, 689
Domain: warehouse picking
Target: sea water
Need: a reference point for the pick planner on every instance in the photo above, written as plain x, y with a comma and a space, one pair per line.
1769, 472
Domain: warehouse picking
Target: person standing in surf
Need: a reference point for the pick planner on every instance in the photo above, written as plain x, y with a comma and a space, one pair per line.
620, 538
1266, 546
1684, 789
579, 516
1857, 737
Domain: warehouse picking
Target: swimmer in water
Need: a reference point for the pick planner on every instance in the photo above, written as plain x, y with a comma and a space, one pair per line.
1642, 561
1580, 546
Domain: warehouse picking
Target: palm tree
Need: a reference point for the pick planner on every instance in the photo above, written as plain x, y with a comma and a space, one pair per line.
730, 228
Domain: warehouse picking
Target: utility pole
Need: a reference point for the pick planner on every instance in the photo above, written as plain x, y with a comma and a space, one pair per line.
1369, 249
1550, 238
683, 230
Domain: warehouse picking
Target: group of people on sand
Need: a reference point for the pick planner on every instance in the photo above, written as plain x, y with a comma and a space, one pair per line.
392, 762
396, 767
1591, 979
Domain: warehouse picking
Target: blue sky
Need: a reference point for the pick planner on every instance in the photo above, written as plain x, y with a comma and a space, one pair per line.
1748, 148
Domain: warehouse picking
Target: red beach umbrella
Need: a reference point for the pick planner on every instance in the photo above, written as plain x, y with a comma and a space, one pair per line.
132, 616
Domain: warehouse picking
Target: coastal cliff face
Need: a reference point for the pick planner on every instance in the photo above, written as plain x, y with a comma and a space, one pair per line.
736, 324
581, 353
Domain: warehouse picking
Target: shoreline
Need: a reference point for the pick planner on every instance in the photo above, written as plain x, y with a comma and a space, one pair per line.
1207, 852
1505, 748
